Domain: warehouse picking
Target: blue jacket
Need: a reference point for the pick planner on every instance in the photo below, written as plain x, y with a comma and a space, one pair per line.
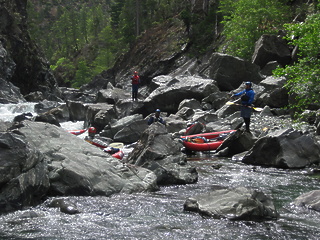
248, 92
155, 119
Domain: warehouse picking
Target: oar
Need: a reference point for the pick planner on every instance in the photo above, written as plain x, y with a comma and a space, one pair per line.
254, 108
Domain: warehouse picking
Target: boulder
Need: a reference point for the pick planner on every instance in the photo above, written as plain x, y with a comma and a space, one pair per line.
170, 95
271, 48
131, 133
237, 142
284, 148
234, 204
64, 205
274, 94
269, 67
228, 71
78, 168
24, 176
159, 152
72, 94
99, 115
112, 95
185, 113
309, 200
190, 103
127, 122
217, 99
9, 93
77, 110
36, 96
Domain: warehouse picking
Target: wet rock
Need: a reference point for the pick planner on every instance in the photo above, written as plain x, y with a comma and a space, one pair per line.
234, 204
64, 205
309, 200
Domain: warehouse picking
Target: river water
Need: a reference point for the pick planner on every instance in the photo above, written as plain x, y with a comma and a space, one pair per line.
160, 215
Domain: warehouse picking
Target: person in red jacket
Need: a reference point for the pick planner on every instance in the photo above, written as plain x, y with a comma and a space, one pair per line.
135, 81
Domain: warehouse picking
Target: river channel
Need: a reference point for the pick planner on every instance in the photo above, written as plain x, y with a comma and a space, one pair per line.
160, 215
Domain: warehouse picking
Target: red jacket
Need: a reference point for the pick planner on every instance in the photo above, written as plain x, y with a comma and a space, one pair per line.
135, 79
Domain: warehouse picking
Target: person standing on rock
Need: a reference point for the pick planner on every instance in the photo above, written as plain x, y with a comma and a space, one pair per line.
156, 118
135, 81
247, 97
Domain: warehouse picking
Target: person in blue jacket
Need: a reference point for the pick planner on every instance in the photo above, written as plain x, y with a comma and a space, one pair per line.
156, 118
247, 97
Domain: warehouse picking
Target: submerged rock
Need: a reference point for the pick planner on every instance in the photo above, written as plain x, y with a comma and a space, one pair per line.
64, 205
235, 204
310, 200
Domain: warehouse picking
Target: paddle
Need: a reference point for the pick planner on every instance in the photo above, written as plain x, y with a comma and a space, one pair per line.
254, 108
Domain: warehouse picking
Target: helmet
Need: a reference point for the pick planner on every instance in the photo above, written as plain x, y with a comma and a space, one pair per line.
158, 110
92, 130
249, 83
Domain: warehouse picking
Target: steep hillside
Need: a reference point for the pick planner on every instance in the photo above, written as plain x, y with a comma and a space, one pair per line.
32, 72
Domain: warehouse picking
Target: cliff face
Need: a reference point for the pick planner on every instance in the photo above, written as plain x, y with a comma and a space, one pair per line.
31, 71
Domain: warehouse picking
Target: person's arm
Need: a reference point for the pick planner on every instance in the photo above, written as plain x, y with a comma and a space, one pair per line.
239, 93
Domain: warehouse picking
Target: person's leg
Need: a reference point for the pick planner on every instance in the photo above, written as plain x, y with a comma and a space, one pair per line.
247, 122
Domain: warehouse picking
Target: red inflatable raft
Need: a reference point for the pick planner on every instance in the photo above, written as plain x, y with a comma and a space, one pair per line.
205, 141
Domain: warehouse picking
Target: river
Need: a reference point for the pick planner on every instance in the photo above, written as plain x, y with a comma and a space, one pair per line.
160, 215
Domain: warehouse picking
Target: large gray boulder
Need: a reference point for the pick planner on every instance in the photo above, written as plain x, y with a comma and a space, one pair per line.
99, 115
24, 176
127, 127
309, 200
228, 71
131, 133
285, 148
234, 204
112, 95
159, 152
79, 168
274, 94
237, 142
169, 95
271, 48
